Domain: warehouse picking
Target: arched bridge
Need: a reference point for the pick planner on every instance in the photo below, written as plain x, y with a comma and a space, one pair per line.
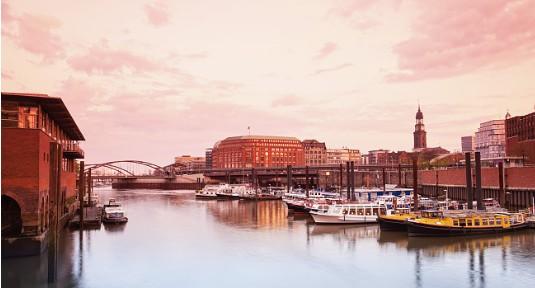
128, 168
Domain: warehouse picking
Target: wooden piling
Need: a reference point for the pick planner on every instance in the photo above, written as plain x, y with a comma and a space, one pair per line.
415, 182
469, 191
479, 196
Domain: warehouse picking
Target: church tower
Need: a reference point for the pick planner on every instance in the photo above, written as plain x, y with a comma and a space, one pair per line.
420, 141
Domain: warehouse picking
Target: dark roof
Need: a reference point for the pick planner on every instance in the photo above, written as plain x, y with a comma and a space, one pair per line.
55, 108
419, 114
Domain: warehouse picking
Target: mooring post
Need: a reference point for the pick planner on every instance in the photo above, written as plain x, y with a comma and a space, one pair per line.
89, 186
54, 190
352, 180
501, 183
288, 177
479, 196
306, 181
81, 193
399, 174
384, 179
415, 182
348, 181
469, 191
341, 178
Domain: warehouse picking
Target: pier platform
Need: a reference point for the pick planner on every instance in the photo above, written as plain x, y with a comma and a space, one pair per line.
92, 218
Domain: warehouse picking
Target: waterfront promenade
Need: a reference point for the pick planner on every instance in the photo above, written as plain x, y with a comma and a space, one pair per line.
172, 240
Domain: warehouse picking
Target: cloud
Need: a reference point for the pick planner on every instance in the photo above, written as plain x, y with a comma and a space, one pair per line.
101, 59
456, 37
347, 8
327, 49
288, 100
157, 13
33, 33
332, 69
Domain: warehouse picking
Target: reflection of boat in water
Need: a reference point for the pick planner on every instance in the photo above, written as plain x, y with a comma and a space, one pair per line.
460, 223
362, 231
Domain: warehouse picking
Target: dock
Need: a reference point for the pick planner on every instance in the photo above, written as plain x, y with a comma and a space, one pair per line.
92, 218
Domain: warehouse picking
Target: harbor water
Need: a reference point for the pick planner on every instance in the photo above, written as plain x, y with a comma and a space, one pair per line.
173, 240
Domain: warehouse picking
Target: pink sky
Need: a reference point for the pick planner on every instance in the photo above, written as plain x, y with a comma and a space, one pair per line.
151, 80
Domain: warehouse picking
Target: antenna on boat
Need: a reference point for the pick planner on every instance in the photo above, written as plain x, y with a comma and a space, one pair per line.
249, 130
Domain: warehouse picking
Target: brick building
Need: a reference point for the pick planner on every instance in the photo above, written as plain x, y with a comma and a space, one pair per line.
520, 137
315, 152
341, 156
258, 151
39, 151
420, 136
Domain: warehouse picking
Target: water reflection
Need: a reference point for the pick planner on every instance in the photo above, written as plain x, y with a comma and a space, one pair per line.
173, 240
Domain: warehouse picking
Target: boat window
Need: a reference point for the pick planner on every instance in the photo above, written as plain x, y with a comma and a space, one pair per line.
498, 221
455, 222
360, 211
462, 222
485, 222
375, 210
368, 211
491, 221
477, 222
383, 211
352, 211
468, 222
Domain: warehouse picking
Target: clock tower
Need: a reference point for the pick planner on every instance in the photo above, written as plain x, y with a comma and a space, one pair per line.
420, 142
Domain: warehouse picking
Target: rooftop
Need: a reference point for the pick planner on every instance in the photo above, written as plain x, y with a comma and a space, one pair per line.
55, 108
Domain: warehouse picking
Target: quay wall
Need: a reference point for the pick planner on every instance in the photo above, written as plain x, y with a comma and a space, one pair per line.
519, 185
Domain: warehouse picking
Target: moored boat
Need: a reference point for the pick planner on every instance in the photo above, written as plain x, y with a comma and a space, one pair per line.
208, 192
396, 220
359, 213
438, 223
113, 212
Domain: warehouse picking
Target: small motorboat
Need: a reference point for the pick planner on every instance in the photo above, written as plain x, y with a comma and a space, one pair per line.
113, 213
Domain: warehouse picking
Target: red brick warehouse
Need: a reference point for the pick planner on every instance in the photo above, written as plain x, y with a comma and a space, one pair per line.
258, 151
39, 151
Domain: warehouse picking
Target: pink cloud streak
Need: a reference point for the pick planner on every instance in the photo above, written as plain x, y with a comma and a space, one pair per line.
157, 13
327, 49
101, 59
456, 37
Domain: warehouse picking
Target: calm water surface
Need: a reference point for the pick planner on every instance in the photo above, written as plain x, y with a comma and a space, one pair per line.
172, 240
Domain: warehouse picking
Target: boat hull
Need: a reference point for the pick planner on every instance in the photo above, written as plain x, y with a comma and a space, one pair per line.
294, 207
392, 224
201, 196
321, 218
115, 220
425, 230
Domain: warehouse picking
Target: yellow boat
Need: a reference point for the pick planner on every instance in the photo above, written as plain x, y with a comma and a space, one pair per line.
458, 223
396, 221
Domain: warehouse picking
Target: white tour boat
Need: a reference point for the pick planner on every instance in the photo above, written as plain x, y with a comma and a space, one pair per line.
349, 213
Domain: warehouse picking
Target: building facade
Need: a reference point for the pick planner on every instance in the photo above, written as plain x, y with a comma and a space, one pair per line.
208, 157
467, 144
253, 151
520, 137
40, 145
187, 162
490, 139
341, 156
315, 152
420, 136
